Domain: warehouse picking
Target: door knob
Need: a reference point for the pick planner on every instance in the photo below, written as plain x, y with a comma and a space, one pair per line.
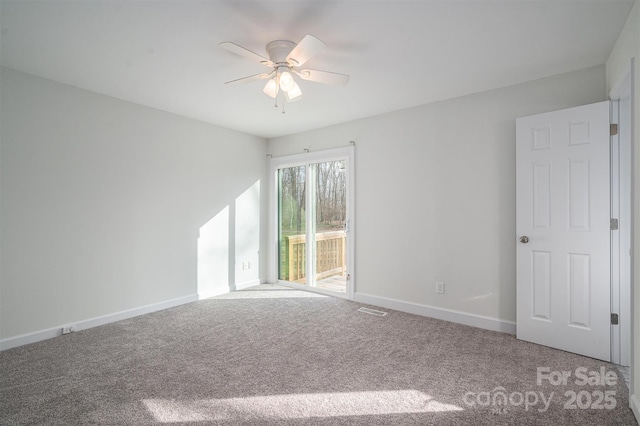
524, 239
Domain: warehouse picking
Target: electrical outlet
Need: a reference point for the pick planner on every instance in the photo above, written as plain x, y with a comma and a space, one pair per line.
68, 329
440, 287
244, 266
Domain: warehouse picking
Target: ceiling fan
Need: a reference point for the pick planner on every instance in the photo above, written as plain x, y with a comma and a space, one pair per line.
285, 60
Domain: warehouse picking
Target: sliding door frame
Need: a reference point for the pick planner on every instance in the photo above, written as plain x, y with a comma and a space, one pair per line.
346, 154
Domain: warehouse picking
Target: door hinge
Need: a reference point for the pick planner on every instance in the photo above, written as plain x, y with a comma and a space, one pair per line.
614, 319
614, 224
613, 129
348, 277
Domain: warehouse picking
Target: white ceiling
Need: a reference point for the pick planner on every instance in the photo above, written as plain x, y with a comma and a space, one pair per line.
164, 54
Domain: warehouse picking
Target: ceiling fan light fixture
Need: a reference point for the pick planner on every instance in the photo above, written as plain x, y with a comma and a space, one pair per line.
286, 81
294, 93
271, 88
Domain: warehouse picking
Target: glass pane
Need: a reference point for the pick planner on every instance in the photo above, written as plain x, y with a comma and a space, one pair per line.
291, 224
330, 201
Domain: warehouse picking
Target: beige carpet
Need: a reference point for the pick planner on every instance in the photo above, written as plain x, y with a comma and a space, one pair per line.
276, 356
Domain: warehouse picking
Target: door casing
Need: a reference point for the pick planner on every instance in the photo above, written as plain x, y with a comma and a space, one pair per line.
622, 202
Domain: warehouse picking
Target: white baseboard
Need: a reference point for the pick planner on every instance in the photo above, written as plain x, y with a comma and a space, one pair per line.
634, 403
224, 290
459, 317
213, 293
247, 284
25, 339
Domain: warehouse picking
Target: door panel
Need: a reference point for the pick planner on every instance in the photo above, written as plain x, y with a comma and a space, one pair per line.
329, 220
292, 224
563, 208
541, 196
541, 282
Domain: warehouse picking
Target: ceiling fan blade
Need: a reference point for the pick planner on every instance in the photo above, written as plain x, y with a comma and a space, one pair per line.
304, 50
239, 50
251, 78
326, 77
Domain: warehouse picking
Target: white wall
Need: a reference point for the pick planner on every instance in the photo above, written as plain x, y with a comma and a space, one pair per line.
628, 46
436, 192
103, 202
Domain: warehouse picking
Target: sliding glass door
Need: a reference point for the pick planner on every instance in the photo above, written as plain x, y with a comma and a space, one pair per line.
313, 225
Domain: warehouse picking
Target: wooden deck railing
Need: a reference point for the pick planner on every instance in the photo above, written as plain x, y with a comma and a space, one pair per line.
330, 256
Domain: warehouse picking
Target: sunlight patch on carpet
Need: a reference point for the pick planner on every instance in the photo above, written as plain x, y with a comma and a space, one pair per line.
296, 406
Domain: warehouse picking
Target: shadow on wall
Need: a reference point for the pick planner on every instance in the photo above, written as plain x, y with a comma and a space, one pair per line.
229, 246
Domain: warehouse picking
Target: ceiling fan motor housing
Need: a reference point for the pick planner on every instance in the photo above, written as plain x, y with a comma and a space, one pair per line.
278, 51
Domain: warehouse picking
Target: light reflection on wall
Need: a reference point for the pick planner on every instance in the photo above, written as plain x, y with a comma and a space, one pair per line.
213, 255
228, 246
247, 237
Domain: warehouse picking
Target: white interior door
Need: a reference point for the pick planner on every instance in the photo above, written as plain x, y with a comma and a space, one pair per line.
563, 227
